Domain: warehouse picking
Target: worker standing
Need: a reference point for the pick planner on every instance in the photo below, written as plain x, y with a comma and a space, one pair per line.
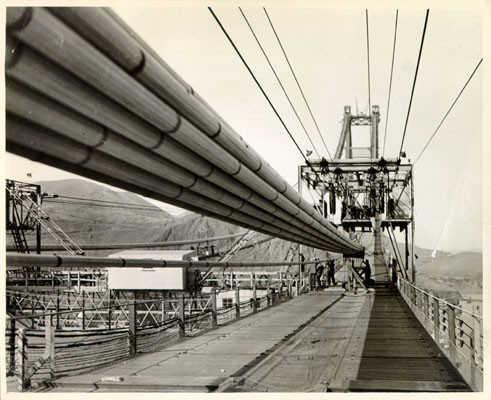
330, 274
367, 272
319, 271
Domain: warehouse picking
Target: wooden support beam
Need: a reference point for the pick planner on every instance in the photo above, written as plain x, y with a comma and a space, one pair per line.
12, 346
213, 308
436, 320
451, 334
182, 319
356, 276
237, 302
21, 359
254, 295
132, 332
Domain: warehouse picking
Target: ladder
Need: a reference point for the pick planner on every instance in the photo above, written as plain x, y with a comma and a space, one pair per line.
238, 245
18, 235
46, 222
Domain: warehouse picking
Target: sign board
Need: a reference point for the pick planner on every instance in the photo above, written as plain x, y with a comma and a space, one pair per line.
146, 278
149, 278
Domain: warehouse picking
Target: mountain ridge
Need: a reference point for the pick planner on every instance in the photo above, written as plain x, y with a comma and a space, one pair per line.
87, 224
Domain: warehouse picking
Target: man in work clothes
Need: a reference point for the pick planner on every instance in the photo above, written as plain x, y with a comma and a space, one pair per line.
319, 271
367, 272
330, 274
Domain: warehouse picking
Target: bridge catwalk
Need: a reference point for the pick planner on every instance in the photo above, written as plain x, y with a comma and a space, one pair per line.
391, 351
203, 363
323, 341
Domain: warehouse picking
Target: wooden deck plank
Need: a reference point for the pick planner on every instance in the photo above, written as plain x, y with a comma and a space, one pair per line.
396, 354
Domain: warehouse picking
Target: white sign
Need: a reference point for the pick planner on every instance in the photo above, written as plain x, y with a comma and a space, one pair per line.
146, 278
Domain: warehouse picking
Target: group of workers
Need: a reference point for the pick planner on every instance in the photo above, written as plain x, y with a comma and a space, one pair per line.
320, 272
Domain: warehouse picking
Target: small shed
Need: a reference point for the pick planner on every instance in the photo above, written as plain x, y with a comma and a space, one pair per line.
150, 278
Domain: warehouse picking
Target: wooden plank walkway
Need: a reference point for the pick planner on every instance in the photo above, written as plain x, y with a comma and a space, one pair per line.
391, 351
205, 362
318, 342
367, 343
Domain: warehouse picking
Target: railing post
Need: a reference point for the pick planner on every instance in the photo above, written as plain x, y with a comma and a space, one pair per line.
83, 311
162, 318
57, 308
473, 356
477, 326
50, 346
109, 311
451, 333
33, 311
12, 346
21, 359
237, 302
299, 281
213, 308
426, 306
436, 320
132, 317
182, 317
254, 295
289, 289
268, 294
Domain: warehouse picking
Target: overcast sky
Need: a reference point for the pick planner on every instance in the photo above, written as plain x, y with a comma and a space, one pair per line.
327, 48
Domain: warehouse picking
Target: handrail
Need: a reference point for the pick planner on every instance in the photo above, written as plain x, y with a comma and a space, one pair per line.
79, 310
441, 300
456, 338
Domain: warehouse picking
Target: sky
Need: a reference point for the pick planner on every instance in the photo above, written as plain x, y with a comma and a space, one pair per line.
328, 51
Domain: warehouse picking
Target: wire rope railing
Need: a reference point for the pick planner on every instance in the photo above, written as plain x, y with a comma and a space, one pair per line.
457, 332
51, 342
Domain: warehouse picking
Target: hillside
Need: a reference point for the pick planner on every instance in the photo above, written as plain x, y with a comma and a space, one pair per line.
95, 223
444, 273
465, 265
135, 220
100, 221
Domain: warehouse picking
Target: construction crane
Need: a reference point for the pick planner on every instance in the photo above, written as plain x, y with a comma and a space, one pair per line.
21, 202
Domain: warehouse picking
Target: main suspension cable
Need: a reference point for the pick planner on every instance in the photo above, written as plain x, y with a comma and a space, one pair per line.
368, 62
255, 80
448, 112
298, 83
279, 81
390, 81
414, 81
